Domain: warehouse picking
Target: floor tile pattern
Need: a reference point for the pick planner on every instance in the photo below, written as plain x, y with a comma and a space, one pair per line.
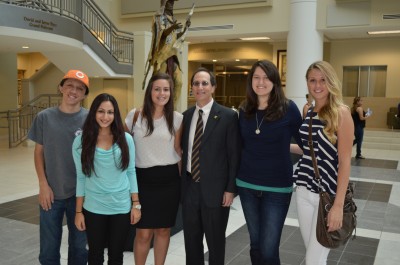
377, 195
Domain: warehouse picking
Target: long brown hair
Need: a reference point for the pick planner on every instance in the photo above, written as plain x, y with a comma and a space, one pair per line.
277, 101
355, 104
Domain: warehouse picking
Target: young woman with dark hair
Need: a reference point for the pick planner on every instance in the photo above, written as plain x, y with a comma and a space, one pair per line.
157, 133
267, 121
106, 191
359, 117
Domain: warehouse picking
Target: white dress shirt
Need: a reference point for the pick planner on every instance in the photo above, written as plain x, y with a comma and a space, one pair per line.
206, 112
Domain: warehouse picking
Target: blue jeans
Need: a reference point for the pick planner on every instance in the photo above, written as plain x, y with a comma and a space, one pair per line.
51, 223
359, 135
265, 214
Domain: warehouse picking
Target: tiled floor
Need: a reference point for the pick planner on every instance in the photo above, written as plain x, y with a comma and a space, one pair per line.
377, 180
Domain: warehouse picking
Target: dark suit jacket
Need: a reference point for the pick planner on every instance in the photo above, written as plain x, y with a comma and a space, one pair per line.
219, 154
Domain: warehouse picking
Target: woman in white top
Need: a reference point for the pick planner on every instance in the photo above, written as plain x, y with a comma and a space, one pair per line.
156, 130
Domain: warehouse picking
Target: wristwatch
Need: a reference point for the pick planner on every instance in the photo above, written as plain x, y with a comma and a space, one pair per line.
137, 206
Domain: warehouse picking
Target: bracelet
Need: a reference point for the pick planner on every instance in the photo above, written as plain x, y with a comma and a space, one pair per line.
78, 212
136, 201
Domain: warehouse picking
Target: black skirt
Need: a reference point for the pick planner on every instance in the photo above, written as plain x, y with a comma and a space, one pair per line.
159, 191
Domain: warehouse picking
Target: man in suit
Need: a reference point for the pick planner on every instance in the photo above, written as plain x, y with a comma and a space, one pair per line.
208, 181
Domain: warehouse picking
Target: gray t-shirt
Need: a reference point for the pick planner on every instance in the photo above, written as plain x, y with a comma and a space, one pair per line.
56, 131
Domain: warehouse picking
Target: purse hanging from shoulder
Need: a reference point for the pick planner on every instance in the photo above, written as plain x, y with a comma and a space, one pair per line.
135, 117
338, 237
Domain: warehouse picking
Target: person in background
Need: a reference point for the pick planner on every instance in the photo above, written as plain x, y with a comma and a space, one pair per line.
211, 155
332, 131
308, 105
104, 157
359, 117
267, 121
157, 135
53, 130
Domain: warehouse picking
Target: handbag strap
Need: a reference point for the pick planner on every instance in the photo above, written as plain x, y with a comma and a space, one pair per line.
135, 117
311, 146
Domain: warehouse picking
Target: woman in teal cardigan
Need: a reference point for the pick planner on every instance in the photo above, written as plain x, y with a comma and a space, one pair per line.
107, 200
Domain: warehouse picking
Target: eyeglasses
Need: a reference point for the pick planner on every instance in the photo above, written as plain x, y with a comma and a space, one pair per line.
197, 83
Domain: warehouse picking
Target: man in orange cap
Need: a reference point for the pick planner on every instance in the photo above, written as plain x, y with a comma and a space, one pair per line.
53, 131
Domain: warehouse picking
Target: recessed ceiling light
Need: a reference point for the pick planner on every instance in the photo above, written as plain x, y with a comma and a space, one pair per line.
384, 32
255, 38
237, 60
25, 47
214, 60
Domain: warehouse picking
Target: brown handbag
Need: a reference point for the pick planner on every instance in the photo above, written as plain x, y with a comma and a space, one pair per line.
341, 236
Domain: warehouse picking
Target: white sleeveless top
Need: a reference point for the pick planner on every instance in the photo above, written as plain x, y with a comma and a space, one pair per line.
158, 148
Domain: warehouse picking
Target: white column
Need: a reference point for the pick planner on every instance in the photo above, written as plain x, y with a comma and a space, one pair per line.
305, 46
182, 102
142, 45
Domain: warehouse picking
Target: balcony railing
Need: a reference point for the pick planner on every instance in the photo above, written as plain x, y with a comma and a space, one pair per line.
118, 43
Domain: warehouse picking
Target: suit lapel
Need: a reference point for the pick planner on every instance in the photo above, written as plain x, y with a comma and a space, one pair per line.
212, 122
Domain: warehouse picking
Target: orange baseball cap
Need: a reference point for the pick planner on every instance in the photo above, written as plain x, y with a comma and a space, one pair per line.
78, 75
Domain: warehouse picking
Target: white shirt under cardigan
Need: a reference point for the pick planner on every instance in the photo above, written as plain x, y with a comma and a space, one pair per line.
157, 149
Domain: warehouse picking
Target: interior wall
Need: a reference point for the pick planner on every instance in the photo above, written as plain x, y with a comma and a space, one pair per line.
384, 51
116, 87
8, 80
379, 106
231, 51
258, 19
46, 81
31, 62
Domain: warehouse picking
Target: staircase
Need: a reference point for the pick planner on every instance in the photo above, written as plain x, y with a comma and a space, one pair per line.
381, 139
19, 121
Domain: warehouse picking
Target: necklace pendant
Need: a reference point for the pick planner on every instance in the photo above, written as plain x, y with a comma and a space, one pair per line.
258, 131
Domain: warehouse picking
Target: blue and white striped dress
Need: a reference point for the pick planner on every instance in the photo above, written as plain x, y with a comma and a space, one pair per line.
326, 154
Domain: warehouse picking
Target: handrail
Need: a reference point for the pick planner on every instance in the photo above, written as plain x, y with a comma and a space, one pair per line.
19, 120
86, 12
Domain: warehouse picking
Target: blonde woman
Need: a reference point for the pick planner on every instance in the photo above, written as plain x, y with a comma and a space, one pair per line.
332, 136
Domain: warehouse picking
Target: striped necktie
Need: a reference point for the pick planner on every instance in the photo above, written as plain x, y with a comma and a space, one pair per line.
196, 148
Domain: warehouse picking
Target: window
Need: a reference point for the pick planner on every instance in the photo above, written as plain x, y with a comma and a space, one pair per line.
364, 81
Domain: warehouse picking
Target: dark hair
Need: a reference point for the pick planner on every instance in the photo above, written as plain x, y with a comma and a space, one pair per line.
355, 104
148, 106
213, 81
65, 79
91, 132
277, 101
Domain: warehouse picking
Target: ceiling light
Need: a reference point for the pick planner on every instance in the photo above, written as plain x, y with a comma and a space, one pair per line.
237, 60
384, 32
25, 47
255, 38
214, 60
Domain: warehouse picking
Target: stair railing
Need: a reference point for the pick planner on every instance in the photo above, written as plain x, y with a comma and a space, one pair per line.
20, 120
